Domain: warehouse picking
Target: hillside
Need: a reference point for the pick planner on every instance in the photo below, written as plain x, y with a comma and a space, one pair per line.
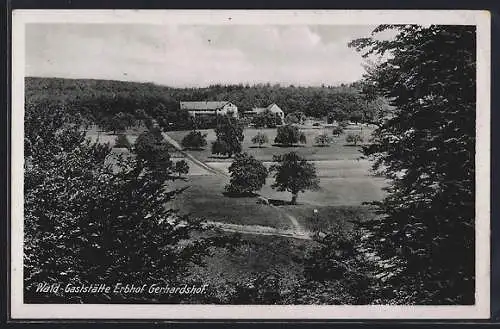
102, 100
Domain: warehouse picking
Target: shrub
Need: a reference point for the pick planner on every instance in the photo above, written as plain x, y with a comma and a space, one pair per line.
220, 147
354, 139
322, 140
181, 167
292, 118
122, 141
260, 139
337, 131
194, 140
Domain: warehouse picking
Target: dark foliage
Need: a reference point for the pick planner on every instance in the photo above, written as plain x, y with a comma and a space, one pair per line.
194, 140
229, 134
289, 135
247, 175
425, 234
353, 139
266, 119
92, 218
294, 174
122, 141
101, 101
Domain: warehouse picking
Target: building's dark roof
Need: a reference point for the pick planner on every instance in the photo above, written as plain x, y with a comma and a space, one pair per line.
203, 105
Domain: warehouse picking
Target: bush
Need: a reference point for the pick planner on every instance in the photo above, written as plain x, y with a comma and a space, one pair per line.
260, 139
289, 135
220, 147
322, 140
122, 141
292, 118
247, 175
181, 167
353, 139
194, 140
337, 131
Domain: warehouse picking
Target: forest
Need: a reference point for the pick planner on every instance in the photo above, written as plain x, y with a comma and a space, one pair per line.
119, 104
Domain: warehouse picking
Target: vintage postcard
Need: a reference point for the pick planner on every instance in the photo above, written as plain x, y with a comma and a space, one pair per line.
205, 164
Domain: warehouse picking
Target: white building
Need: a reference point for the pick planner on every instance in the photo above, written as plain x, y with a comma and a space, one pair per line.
210, 108
273, 108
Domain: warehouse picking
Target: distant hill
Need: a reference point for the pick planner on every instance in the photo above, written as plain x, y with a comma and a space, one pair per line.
101, 100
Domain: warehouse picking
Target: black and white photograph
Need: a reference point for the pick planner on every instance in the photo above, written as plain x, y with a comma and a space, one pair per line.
203, 164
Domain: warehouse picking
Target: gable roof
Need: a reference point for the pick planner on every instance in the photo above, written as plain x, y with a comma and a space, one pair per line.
262, 109
273, 104
203, 105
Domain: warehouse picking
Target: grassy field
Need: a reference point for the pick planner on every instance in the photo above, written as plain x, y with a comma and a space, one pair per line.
204, 198
337, 149
339, 186
345, 181
342, 182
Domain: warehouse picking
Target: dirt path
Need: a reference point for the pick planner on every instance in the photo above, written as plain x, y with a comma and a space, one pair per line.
188, 155
297, 227
297, 232
260, 230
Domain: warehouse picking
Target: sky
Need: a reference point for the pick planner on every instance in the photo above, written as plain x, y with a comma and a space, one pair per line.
196, 56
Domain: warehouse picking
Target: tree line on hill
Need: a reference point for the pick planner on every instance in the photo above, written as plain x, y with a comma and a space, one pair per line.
116, 105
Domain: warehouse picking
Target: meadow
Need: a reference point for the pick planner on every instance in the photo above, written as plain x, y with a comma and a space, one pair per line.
345, 183
337, 150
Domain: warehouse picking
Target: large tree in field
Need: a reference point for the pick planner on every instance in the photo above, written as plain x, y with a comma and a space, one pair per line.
229, 136
247, 175
92, 217
294, 174
424, 235
289, 135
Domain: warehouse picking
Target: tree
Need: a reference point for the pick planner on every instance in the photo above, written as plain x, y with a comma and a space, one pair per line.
266, 119
289, 135
194, 140
247, 175
353, 138
119, 122
294, 174
152, 150
427, 150
337, 131
122, 141
338, 272
292, 118
88, 219
220, 147
260, 139
322, 140
181, 167
229, 136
